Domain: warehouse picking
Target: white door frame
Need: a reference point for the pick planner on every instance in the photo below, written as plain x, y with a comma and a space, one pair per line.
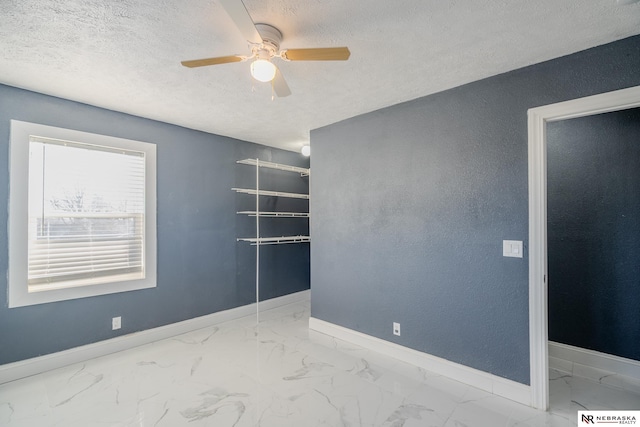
538, 320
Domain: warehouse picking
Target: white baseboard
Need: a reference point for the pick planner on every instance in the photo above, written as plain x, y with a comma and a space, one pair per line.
24, 368
509, 389
605, 368
595, 359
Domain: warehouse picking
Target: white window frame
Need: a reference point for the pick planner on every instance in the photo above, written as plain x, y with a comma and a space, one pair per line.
18, 291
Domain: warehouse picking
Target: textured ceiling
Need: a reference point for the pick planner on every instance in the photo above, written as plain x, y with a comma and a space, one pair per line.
125, 55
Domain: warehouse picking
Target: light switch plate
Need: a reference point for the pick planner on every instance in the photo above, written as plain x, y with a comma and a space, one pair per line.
512, 248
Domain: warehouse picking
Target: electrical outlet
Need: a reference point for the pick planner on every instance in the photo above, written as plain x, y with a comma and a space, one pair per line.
396, 328
116, 323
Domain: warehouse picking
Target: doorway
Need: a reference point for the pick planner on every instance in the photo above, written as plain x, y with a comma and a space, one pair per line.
538, 297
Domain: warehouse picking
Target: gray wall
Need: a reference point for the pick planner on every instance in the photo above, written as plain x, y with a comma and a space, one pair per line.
593, 234
201, 268
410, 205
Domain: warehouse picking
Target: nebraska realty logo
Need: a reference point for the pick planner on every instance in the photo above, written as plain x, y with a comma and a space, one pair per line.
628, 418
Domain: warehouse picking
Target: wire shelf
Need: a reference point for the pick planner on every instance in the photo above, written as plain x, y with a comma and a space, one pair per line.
276, 214
278, 166
271, 193
274, 240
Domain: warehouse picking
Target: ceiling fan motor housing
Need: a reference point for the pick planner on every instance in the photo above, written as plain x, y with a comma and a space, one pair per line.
271, 38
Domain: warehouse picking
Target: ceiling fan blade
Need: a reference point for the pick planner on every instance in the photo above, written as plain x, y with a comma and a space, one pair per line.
280, 86
240, 16
317, 54
212, 61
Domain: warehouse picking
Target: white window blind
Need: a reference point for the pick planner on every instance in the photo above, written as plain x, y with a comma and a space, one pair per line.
86, 214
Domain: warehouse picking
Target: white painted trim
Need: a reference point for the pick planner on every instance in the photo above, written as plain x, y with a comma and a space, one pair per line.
488, 382
36, 365
538, 356
595, 359
538, 117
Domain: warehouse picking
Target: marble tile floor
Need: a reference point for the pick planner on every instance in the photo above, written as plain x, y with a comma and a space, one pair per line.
285, 376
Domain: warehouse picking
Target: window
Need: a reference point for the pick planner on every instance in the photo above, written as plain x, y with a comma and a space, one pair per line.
81, 215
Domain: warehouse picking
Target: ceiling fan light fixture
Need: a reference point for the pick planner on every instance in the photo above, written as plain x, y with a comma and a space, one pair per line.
263, 70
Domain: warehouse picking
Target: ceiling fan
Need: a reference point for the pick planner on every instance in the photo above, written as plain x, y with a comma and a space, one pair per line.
264, 41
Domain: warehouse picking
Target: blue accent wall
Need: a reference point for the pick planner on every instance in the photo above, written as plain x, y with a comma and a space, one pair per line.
410, 205
201, 267
593, 234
